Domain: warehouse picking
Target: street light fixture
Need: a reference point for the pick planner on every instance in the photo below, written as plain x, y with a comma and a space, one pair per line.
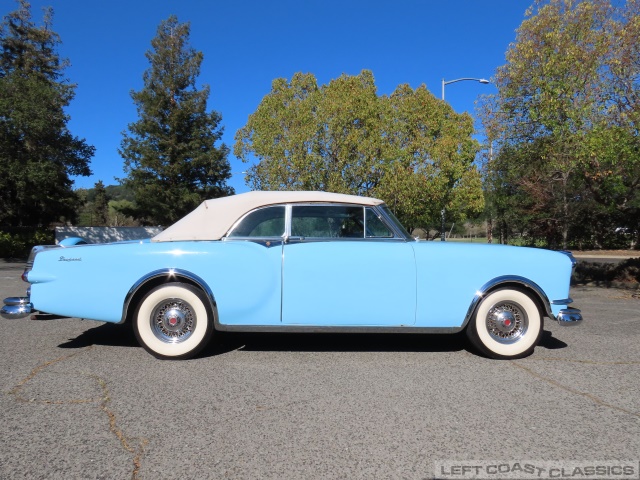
447, 82
481, 80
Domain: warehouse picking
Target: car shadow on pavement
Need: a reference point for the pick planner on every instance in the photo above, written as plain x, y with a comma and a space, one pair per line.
351, 342
335, 342
116, 335
109, 334
549, 342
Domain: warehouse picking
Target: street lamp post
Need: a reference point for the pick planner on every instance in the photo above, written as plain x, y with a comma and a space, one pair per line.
447, 82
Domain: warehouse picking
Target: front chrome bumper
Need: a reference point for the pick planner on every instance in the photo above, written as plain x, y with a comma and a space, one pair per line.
16, 307
569, 316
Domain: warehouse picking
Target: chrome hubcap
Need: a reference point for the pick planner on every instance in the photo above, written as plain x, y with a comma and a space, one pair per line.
507, 322
173, 321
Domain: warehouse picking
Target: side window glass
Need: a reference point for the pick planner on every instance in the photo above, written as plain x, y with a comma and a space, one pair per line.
264, 222
327, 221
375, 228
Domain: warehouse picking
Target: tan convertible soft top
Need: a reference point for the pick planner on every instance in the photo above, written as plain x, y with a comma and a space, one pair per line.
213, 218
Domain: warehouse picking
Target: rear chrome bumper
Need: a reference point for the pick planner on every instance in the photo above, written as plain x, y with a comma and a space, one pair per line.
16, 307
569, 316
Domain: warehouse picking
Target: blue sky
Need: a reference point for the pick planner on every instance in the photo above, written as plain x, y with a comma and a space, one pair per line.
246, 44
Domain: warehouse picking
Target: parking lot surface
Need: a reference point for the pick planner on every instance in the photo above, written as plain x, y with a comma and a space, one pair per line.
80, 399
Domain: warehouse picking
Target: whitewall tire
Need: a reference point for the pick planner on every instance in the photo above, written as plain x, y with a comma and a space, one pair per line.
173, 321
507, 324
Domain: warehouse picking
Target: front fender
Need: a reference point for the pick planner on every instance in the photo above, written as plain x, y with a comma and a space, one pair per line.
505, 281
454, 277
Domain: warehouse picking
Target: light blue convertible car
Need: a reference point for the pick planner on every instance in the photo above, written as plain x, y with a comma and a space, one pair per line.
300, 262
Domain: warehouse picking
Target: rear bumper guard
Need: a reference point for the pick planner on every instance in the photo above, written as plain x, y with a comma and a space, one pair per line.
16, 307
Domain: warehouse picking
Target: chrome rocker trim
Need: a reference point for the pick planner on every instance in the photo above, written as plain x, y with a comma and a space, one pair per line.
16, 307
333, 329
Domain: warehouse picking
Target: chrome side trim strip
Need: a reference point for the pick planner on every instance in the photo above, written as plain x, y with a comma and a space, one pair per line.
338, 239
496, 282
314, 329
170, 274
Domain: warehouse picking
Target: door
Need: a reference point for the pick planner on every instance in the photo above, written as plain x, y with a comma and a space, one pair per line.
343, 267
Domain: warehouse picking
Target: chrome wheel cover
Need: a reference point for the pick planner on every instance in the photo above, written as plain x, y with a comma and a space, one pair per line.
507, 322
173, 321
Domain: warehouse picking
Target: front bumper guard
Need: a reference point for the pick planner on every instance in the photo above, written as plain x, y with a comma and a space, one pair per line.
16, 307
569, 317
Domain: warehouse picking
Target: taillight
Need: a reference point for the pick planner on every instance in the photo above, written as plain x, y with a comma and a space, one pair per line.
32, 257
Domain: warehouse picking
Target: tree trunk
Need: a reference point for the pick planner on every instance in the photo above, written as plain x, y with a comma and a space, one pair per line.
565, 211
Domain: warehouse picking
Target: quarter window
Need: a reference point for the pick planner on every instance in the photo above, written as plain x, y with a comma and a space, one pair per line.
396, 222
376, 227
264, 222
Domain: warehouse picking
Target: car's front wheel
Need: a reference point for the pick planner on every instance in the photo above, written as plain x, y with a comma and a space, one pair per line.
173, 321
507, 324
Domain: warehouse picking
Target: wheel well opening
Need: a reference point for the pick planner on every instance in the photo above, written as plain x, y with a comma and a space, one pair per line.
150, 285
524, 289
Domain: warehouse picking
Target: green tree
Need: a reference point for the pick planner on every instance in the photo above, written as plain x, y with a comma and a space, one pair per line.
171, 159
409, 149
563, 125
100, 206
105, 206
38, 154
432, 166
315, 138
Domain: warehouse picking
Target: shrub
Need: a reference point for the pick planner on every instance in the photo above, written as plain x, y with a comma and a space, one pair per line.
18, 242
627, 271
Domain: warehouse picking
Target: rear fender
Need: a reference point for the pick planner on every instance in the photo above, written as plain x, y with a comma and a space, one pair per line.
159, 277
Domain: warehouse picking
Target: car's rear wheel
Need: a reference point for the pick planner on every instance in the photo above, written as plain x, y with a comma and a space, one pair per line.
507, 324
173, 321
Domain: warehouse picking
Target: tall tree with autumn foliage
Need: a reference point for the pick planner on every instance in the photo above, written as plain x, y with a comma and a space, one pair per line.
170, 153
564, 124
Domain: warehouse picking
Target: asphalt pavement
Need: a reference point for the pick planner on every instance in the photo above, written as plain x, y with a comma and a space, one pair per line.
80, 399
